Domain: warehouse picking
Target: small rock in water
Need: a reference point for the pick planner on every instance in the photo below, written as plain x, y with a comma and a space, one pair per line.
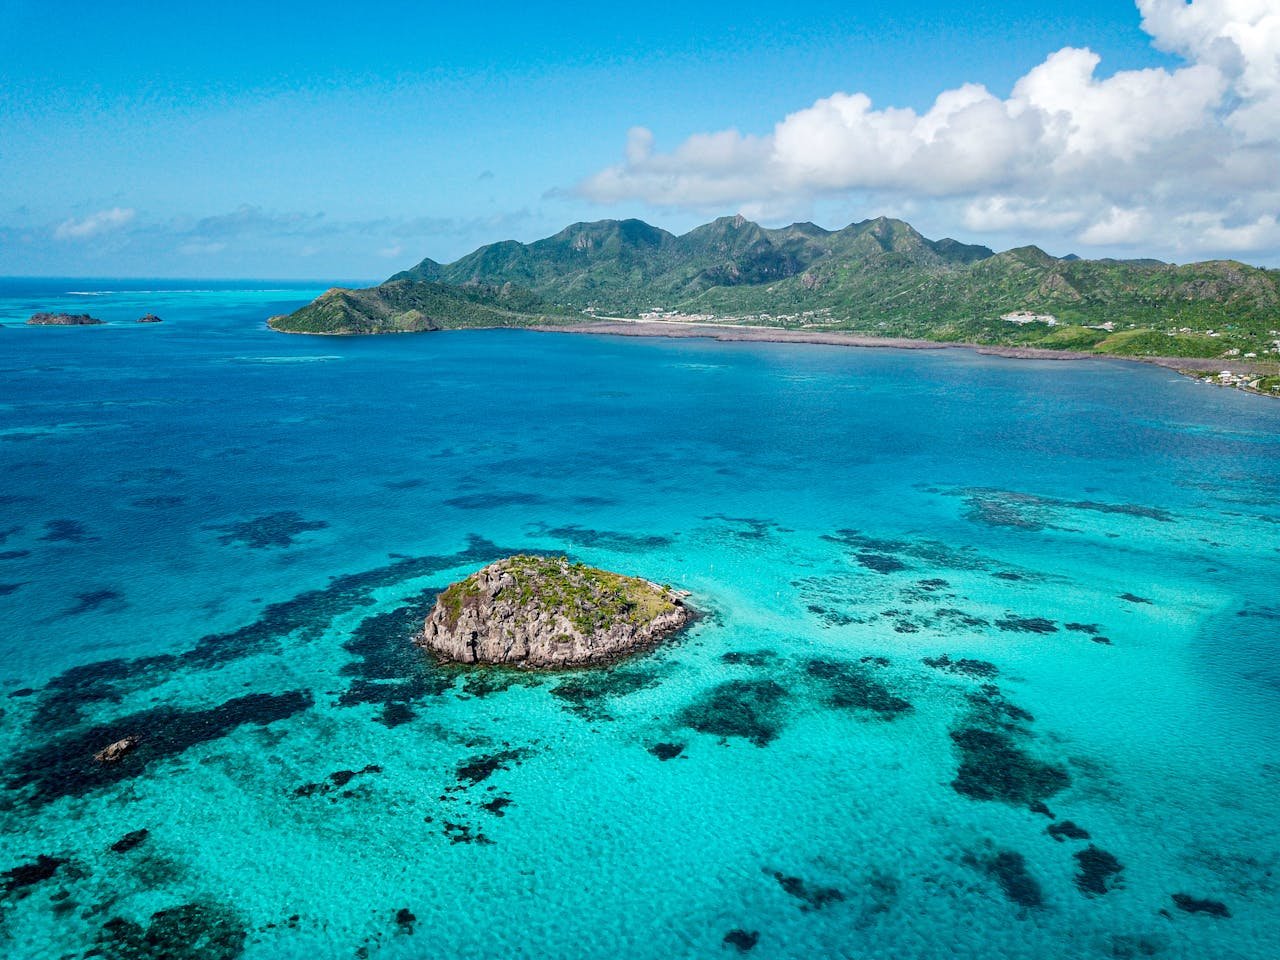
150, 318
114, 752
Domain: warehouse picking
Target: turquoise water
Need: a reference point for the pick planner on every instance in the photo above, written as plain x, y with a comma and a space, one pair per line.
219, 539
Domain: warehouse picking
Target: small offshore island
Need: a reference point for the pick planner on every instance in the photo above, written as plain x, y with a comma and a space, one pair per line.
545, 612
63, 320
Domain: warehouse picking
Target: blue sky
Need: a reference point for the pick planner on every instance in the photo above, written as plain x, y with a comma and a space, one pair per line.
328, 140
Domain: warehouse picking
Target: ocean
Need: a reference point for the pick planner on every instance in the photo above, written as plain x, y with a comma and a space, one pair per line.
987, 664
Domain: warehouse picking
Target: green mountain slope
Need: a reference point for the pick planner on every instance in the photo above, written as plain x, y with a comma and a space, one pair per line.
878, 276
412, 306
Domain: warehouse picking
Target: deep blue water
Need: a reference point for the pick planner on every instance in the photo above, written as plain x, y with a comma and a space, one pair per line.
219, 539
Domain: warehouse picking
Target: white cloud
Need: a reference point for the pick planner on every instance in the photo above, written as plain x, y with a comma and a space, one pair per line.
1185, 159
103, 221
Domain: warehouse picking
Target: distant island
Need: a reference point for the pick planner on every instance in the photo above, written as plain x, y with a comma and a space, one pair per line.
62, 320
878, 278
541, 612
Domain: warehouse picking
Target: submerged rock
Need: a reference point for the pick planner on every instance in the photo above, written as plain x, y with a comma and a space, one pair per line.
530, 611
1099, 871
1190, 904
150, 318
130, 840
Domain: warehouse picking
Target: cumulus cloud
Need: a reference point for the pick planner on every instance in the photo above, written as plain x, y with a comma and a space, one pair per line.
1186, 158
104, 221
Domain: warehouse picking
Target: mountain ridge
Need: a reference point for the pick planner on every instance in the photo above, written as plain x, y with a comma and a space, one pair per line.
878, 276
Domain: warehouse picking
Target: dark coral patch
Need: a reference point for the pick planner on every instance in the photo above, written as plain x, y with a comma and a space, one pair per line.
667, 751
481, 682
278, 529
1126, 946
605, 539
160, 502
588, 694
491, 501
749, 658
65, 766
405, 920
852, 686
337, 780
880, 562
750, 709
1083, 627
1000, 509
481, 767
814, 896
386, 667
130, 840
742, 940
382, 653
1012, 623
1029, 511
993, 767
965, 667
497, 806
463, 833
993, 709
396, 714
1099, 871
26, 875
192, 931
66, 531
1008, 869
1190, 904
92, 600
1067, 830
1134, 598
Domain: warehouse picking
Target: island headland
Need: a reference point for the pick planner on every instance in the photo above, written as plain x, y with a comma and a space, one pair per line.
874, 283
538, 612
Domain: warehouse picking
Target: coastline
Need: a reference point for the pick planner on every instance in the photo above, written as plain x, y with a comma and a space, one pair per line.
1193, 368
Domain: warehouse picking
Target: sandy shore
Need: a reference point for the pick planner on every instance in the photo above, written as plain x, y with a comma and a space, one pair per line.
736, 332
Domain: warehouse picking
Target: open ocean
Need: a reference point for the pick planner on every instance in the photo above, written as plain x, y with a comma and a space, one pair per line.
989, 665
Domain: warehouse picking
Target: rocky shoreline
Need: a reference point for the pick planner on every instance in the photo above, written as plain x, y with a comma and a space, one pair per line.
1193, 367
546, 612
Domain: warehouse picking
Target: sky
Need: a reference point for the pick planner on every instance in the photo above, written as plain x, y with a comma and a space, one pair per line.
338, 141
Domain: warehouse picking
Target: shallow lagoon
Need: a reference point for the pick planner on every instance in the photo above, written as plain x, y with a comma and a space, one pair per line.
221, 537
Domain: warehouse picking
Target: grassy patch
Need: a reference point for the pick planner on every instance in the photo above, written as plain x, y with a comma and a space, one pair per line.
1153, 343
